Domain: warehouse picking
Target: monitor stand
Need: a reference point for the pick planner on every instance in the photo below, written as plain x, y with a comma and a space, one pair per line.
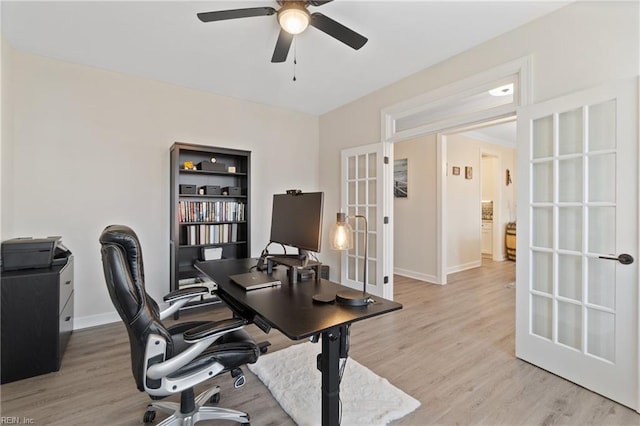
293, 264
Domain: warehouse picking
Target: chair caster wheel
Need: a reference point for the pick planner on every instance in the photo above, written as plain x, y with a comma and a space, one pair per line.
149, 416
215, 398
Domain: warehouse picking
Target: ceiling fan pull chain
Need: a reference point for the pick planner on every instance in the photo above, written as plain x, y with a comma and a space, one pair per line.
295, 58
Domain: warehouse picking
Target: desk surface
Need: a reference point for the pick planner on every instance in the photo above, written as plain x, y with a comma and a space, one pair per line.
288, 307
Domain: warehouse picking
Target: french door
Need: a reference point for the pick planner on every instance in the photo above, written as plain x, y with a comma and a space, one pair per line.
364, 174
577, 243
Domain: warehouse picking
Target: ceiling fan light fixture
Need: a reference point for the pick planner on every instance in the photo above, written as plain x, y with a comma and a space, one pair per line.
293, 18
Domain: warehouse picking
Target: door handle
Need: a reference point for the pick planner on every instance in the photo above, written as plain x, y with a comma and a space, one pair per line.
624, 258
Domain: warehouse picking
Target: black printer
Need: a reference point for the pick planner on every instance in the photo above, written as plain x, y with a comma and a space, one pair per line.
28, 253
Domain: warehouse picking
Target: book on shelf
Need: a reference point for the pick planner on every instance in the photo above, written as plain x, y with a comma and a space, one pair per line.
211, 211
211, 234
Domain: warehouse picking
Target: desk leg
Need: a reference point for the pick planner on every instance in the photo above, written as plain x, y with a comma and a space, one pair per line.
330, 366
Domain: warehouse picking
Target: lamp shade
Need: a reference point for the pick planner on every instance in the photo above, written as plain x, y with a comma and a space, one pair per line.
293, 19
341, 236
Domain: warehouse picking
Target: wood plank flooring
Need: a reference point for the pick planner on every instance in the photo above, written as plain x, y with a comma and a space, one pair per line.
451, 347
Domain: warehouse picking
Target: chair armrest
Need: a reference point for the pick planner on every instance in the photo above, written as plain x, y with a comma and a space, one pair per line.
178, 298
185, 292
203, 338
195, 334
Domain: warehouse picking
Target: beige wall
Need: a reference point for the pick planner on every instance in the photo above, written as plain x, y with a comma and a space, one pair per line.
463, 205
464, 213
489, 170
6, 133
91, 148
414, 242
579, 46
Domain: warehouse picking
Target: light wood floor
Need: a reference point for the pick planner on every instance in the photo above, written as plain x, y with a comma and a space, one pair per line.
451, 347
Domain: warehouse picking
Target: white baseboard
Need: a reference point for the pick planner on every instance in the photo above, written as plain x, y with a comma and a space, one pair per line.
95, 320
416, 275
464, 266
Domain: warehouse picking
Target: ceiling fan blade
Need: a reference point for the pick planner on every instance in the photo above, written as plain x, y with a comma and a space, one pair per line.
318, 2
282, 47
222, 15
337, 30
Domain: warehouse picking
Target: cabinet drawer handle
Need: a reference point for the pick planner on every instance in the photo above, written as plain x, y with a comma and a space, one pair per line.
67, 319
68, 282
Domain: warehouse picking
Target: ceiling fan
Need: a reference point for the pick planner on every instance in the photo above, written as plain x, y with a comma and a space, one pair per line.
294, 18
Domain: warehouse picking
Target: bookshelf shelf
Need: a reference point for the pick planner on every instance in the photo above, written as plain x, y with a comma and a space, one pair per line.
206, 172
210, 223
205, 220
213, 244
211, 196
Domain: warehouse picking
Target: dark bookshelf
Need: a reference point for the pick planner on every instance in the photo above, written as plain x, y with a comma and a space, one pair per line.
200, 221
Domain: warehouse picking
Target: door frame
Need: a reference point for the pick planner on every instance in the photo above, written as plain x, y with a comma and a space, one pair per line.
521, 68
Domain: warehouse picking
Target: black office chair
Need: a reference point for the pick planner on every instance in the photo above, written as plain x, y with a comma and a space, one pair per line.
171, 360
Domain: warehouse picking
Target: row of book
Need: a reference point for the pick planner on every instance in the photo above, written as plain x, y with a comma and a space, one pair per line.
211, 234
211, 211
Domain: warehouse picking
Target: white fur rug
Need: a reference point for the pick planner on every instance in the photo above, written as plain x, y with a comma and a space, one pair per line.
293, 379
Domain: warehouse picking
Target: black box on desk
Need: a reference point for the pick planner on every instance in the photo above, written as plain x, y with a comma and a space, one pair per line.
208, 166
187, 189
232, 190
211, 190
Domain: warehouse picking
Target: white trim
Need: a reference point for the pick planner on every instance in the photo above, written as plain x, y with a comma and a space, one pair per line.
430, 279
464, 266
458, 91
441, 213
95, 320
387, 229
638, 277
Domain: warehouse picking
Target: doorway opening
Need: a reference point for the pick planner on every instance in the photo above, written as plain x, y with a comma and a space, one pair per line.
460, 119
469, 184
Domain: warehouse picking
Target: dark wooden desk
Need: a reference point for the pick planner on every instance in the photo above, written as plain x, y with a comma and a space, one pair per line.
290, 309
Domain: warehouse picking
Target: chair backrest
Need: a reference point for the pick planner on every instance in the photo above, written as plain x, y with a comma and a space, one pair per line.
124, 274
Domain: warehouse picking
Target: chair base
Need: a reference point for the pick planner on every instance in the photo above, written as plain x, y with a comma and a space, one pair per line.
200, 412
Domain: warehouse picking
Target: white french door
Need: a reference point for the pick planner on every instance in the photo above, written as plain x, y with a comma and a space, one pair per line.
576, 303
364, 174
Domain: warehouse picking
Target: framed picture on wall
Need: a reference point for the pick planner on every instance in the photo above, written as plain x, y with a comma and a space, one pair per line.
455, 170
468, 172
400, 178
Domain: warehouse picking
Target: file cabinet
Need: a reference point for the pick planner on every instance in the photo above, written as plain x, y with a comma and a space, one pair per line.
36, 320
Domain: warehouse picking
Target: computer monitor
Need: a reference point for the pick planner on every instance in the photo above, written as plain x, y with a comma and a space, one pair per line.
296, 221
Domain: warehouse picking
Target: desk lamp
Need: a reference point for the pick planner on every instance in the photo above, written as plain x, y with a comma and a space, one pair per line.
341, 238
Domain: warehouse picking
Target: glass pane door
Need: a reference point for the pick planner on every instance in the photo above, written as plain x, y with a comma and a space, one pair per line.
362, 196
576, 305
573, 211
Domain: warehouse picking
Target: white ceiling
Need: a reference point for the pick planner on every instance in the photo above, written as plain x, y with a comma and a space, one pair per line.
499, 134
163, 40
